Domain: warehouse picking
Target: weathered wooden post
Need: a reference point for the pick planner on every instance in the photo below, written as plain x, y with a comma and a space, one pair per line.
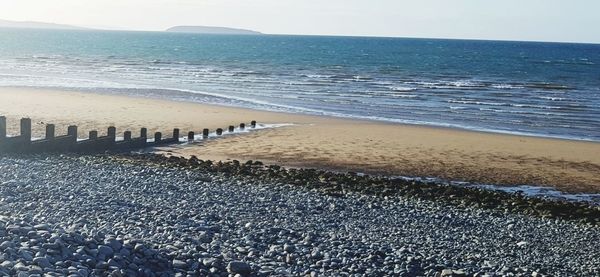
190, 136
127, 136
231, 128
242, 126
72, 133
26, 129
219, 132
176, 133
112, 133
144, 133
157, 137
93, 135
50, 131
205, 133
253, 123
2, 127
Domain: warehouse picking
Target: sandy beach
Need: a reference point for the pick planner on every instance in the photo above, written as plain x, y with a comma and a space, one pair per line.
323, 142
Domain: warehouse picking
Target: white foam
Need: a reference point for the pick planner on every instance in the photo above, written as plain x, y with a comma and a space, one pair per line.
527, 190
236, 131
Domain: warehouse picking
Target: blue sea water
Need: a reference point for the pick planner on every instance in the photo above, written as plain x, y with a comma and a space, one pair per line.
540, 89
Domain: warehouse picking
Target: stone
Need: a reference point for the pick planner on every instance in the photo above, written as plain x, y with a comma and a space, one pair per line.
115, 245
7, 244
237, 267
446, 272
289, 248
179, 264
105, 251
42, 262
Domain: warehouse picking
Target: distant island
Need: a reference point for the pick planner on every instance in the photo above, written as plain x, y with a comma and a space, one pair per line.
176, 29
37, 25
212, 30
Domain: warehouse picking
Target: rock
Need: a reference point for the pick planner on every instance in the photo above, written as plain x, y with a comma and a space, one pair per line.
83, 272
42, 227
446, 272
7, 244
26, 255
208, 262
34, 269
7, 264
115, 245
20, 267
459, 272
204, 237
43, 262
289, 248
179, 264
237, 267
105, 251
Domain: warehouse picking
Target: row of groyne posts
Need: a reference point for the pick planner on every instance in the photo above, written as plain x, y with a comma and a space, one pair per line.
94, 143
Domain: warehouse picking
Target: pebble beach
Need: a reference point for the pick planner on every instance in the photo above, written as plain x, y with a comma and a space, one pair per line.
148, 215
299, 138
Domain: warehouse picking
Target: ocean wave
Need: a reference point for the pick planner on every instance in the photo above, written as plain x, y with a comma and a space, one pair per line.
402, 89
506, 86
552, 98
548, 86
564, 62
317, 76
468, 102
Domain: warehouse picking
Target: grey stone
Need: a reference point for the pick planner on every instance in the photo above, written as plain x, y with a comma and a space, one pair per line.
42, 262
179, 264
105, 251
237, 267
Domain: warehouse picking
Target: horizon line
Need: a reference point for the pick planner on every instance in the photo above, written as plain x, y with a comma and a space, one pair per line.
119, 29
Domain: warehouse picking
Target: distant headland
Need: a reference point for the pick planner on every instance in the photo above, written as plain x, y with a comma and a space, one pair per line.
37, 25
212, 30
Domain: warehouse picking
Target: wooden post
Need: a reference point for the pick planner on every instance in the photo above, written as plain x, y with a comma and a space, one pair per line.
72, 132
112, 132
231, 128
176, 133
205, 133
190, 136
253, 123
242, 126
2, 127
219, 132
26, 129
144, 133
127, 135
157, 137
93, 135
50, 131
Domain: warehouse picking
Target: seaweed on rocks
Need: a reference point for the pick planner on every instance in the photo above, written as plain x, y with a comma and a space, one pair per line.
338, 184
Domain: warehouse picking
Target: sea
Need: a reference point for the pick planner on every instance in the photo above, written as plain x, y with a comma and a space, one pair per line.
529, 88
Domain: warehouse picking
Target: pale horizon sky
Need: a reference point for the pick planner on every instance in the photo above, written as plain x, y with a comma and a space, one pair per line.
532, 20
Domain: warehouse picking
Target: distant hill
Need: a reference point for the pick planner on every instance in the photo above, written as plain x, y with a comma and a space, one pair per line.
212, 30
37, 25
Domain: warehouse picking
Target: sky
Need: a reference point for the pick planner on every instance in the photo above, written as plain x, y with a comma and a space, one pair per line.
537, 20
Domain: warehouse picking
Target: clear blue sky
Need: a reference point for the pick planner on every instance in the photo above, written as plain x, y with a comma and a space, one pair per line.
545, 20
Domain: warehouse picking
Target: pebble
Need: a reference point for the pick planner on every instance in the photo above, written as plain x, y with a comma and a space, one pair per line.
42, 262
237, 267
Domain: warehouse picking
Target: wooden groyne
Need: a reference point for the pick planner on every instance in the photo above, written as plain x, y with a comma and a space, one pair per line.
23, 143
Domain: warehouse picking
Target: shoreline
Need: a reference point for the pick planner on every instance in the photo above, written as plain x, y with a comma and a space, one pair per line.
323, 142
114, 92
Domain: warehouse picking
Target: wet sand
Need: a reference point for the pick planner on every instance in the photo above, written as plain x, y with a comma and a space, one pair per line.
323, 142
